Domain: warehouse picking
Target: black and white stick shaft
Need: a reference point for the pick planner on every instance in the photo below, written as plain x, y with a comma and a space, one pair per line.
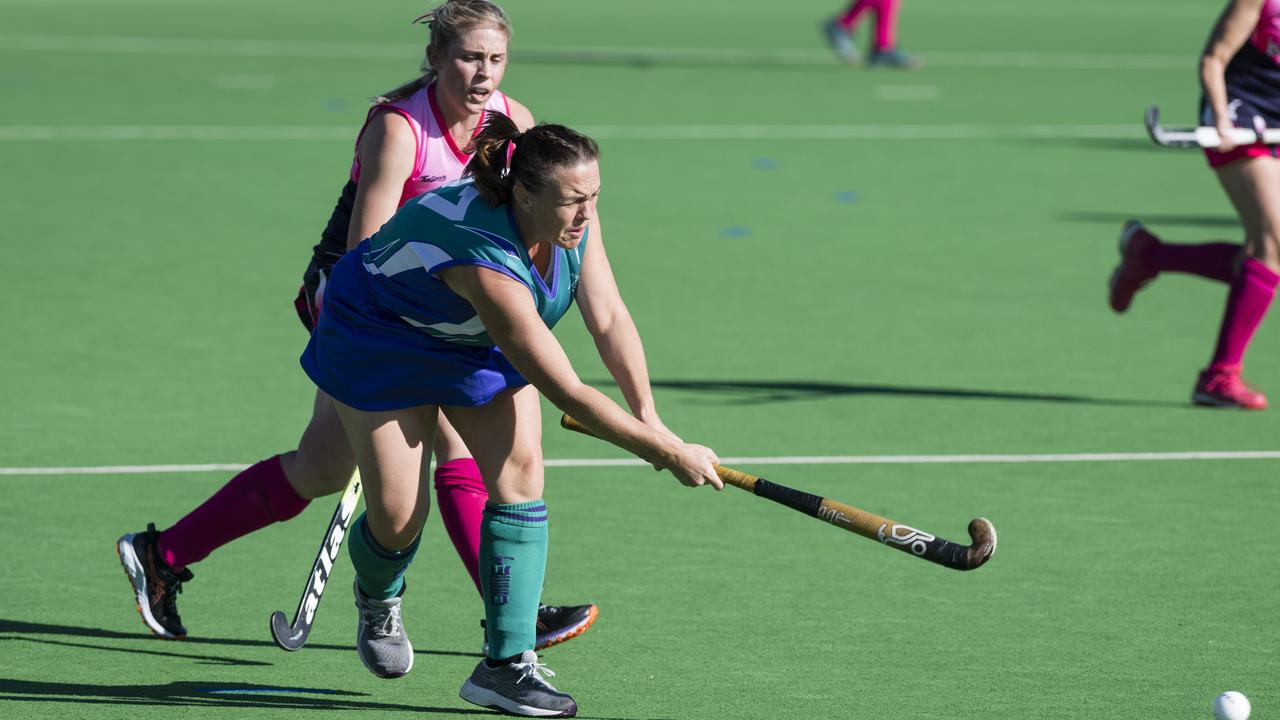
1205, 137
912, 541
293, 636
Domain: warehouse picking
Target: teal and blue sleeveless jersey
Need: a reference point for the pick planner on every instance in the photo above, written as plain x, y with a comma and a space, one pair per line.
453, 225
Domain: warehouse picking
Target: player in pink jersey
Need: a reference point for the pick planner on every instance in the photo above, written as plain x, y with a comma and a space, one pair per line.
885, 51
413, 140
1240, 75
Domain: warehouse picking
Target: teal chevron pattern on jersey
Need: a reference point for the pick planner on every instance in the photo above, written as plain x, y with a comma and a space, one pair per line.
451, 226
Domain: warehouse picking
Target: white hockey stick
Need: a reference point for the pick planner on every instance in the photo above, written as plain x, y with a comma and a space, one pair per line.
1205, 137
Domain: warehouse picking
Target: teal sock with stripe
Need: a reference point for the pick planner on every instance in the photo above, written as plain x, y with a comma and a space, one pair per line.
513, 560
379, 571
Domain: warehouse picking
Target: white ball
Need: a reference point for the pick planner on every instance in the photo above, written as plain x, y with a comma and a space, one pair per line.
1231, 705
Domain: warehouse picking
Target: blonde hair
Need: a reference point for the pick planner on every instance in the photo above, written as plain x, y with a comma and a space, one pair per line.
447, 23
501, 156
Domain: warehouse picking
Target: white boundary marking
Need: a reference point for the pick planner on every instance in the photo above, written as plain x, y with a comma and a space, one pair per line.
273, 133
228, 47
1200, 455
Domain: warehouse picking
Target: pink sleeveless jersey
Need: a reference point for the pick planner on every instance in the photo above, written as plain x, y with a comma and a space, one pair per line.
438, 160
1266, 34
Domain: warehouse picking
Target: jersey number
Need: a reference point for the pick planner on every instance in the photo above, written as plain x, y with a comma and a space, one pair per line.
452, 211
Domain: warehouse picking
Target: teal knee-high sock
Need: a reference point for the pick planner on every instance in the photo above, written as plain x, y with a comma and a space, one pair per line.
379, 571
513, 560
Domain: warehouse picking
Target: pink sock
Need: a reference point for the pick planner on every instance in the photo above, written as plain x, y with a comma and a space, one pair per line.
460, 496
1247, 303
886, 24
851, 15
1215, 261
252, 500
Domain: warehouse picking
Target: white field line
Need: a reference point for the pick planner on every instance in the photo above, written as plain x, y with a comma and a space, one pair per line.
1207, 455
274, 133
586, 55
916, 93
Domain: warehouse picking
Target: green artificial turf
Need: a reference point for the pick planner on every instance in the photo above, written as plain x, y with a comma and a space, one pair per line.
799, 295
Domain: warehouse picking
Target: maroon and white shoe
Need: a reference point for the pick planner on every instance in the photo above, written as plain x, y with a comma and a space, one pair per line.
1133, 272
1225, 388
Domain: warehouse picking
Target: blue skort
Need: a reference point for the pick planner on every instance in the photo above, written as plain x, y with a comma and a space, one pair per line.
370, 359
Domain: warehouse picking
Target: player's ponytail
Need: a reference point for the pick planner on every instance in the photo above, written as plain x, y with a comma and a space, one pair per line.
503, 156
491, 152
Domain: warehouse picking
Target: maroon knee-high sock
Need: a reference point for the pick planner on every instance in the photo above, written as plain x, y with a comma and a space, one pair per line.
1215, 261
252, 500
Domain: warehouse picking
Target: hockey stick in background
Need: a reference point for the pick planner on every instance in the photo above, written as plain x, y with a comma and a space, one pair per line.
902, 537
1205, 137
293, 637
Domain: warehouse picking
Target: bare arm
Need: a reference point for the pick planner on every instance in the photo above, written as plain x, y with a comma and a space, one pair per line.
1229, 34
508, 313
610, 324
387, 152
520, 114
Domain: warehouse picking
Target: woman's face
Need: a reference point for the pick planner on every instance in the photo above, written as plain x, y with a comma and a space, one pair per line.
469, 70
560, 212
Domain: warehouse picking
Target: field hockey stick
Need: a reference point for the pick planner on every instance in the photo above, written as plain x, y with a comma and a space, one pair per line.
903, 537
1205, 137
293, 636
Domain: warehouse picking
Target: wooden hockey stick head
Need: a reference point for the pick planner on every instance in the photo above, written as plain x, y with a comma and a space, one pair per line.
983, 535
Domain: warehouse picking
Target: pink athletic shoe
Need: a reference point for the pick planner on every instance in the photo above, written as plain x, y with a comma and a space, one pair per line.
1132, 273
1223, 388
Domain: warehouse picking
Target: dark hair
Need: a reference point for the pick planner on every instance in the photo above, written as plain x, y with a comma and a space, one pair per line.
448, 22
538, 153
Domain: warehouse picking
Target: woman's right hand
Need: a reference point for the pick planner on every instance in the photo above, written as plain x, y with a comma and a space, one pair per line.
1225, 143
695, 465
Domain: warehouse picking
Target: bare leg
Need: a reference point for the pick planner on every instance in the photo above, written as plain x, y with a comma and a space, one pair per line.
390, 450
1253, 185
506, 438
323, 462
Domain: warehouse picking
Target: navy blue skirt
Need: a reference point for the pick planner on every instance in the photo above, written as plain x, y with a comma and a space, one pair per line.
372, 360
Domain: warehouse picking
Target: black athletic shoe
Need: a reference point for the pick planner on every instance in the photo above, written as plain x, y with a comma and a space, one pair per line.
155, 584
557, 624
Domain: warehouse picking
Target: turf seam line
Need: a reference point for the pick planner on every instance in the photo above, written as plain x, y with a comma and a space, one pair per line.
336, 133
754, 57
1198, 455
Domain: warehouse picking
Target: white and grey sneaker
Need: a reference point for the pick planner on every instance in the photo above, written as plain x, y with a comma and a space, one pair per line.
383, 646
518, 688
840, 40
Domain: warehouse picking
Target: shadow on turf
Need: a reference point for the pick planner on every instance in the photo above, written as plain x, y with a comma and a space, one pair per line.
752, 392
206, 695
217, 696
1118, 219
1134, 144
21, 628
200, 659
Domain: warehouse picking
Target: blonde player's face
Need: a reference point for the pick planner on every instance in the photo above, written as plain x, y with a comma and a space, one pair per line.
561, 211
469, 70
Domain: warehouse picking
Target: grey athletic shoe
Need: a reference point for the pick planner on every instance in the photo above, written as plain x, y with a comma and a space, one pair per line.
892, 58
380, 638
518, 688
840, 40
